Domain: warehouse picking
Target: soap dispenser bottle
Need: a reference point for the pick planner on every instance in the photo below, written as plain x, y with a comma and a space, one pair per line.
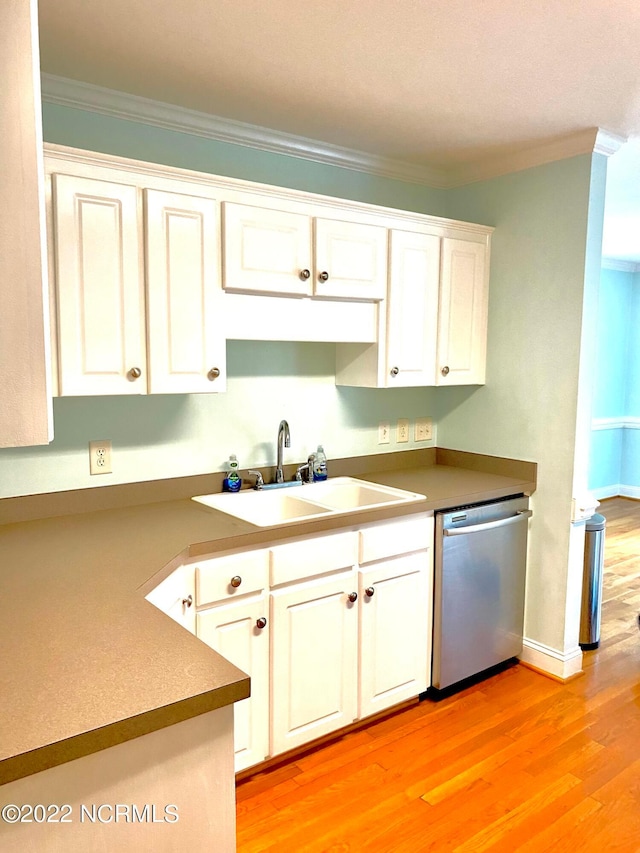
232, 481
319, 465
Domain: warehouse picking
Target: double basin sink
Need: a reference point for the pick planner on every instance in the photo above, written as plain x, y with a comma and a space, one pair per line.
297, 503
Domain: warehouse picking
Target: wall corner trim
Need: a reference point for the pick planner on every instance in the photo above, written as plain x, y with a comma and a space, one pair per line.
558, 664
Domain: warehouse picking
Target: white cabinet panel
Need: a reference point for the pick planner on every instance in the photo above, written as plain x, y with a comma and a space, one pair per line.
395, 631
463, 313
412, 311
101, 341
26, 416
313, 660
237, 632
351, 260
185, 326
175, 596
305, 558
231, 576
266, 250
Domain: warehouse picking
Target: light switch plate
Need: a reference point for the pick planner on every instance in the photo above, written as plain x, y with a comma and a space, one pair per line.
402, 430
423, 429
384, 432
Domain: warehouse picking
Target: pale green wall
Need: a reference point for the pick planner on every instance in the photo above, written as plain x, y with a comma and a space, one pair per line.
95, 132
528, 407
176, 435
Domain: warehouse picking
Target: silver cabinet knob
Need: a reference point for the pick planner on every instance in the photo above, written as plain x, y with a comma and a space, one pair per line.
261, 622
213, 373
394, 371
324, 276
188, 601
353, 596
305, 274
134, 373
445, 370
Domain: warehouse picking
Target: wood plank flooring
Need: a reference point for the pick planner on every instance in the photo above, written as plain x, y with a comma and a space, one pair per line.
517, 763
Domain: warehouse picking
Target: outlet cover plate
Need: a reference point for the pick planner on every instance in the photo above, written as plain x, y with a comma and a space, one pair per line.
100, 457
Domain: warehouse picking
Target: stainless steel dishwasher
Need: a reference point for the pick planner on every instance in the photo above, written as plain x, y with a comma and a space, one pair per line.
480, 562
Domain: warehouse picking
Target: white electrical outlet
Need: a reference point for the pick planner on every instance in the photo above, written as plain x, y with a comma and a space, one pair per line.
424, 429
384, 432
402, 432
100, 457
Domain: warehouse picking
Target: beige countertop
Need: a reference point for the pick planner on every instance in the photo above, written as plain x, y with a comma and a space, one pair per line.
87, 662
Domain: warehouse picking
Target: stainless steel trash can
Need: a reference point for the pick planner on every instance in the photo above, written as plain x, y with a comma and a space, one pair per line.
592, 582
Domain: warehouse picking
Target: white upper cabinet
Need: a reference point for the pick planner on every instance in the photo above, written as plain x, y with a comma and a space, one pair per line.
462, 327
267, 250
433, 324
157, 267
412, 311
100, 287
185, 327
350, 260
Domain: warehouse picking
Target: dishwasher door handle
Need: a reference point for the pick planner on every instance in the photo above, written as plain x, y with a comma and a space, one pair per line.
488, 525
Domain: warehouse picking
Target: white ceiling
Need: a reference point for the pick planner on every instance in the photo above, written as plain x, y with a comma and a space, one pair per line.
434, 83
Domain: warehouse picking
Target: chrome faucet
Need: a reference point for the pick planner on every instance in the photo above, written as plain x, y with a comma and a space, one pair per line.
284, 440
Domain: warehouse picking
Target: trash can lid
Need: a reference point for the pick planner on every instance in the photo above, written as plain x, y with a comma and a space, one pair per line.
596, 522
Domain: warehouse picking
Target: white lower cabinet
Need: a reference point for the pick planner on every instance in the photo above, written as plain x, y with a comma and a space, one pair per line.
240, 632
396, 605
394, 632
331, 628
314, 661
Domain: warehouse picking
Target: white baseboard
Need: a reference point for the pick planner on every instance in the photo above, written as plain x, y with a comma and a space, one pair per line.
550, 660
629, 492
607, 491
617, 490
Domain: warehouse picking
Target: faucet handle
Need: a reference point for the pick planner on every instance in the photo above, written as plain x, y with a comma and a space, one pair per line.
259, 481
302, 468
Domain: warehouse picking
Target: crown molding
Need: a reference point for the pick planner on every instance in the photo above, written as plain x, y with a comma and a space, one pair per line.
620, 265
86, 96
583, 142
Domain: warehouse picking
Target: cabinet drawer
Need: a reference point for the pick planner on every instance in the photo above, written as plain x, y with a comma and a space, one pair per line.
391, 538
213, 576
306, 558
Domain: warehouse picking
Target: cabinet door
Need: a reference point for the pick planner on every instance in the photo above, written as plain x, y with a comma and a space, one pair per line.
313, 660
100, 290
351, 260
412, 309
462, 331
185, 327
266, 250
395, 631
234, 631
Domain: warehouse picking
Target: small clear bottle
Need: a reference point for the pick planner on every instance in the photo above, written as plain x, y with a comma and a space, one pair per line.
319, 465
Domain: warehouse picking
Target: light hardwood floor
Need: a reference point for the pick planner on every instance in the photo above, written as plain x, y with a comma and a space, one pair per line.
516, 763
